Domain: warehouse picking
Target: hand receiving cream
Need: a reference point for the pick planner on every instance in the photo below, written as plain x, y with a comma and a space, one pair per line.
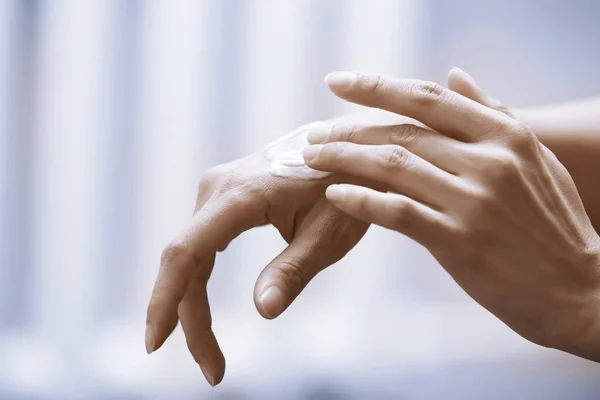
285, 154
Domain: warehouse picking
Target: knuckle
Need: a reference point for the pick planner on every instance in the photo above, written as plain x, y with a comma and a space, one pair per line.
177, 252
523, 140
426, 93
373, 84
205, 185
361, 202
212, 178
293, 272
506, 164
403, 216
245, 201
243, 195
212, 174
405, 134
394, 157
345, 132
501, 167
335, 150
236, 187
483, 198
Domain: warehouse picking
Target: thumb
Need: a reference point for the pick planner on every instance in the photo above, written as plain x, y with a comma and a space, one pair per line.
462, 83
324, 237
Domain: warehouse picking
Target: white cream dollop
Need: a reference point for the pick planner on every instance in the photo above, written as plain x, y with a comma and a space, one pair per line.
285, 154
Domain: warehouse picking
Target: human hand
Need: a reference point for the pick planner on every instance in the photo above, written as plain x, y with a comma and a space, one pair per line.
484, 196
233, 198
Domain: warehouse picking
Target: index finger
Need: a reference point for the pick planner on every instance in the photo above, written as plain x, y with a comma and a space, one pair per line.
437, 107
211, 228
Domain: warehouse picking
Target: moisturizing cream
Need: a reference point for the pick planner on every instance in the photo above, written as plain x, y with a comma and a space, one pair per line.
285, 154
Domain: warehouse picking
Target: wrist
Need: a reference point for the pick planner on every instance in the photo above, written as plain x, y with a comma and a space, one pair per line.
582, 333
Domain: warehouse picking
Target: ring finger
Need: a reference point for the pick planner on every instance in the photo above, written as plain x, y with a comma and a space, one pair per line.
442, 151
394, 166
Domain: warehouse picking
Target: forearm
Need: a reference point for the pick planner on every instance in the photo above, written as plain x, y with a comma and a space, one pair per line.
572, 132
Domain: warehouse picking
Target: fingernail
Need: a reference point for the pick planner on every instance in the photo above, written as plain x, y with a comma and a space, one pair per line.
272, 301
150, 341
318, 135
210, 378
340, 80
336, 193
310, 152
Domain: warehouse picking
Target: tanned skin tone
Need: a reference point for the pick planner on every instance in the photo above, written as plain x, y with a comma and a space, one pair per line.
485, 190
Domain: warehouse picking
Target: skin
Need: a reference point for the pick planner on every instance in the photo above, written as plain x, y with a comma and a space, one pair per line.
240, 195
571, 131
233, 198
489, 201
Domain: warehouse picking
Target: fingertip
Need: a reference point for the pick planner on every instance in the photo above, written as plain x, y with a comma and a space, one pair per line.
463, 76
340, 80
310, 152
271, 302
150, 341
207, 353
318, 135
214, 375
455, 71
336, 193
456, 77
208, 376
158, 328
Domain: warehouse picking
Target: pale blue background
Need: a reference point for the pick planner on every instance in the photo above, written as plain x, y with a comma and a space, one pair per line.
110, 111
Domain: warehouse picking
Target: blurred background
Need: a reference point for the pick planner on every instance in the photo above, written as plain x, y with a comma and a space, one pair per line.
111, 110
